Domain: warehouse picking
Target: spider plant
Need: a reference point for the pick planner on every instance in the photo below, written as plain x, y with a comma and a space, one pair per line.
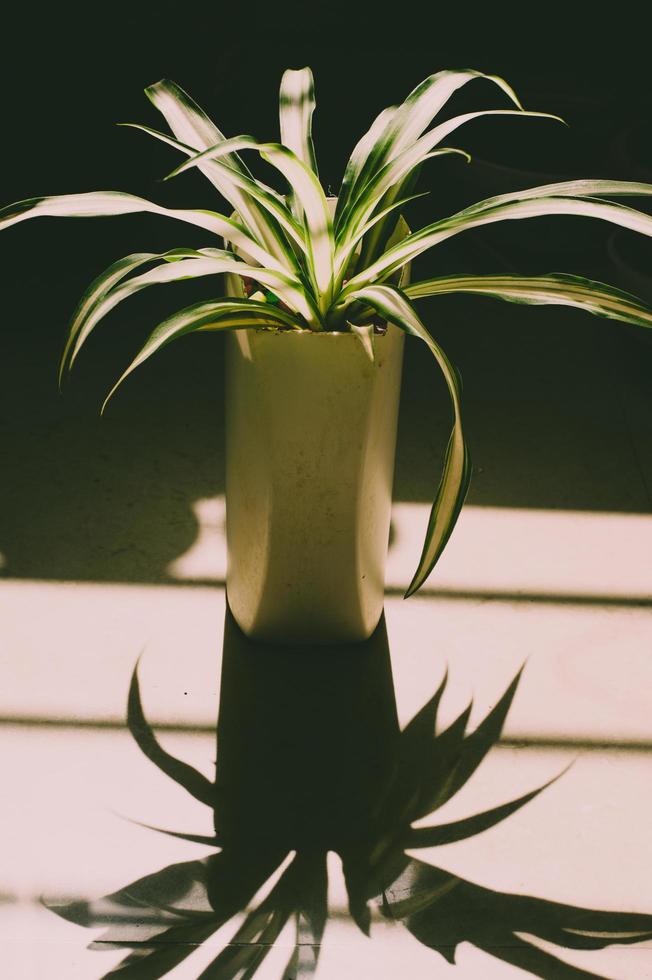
320, 267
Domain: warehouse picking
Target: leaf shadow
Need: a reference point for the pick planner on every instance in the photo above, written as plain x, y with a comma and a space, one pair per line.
311, 759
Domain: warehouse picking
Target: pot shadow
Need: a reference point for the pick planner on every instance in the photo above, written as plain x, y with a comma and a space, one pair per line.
311, 759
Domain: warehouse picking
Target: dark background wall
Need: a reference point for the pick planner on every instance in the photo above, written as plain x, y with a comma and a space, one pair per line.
558, 403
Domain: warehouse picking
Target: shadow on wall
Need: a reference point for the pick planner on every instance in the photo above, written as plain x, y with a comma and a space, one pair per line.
311, 760
107, 499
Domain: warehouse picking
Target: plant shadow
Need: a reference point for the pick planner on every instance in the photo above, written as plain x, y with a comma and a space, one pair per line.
311, 759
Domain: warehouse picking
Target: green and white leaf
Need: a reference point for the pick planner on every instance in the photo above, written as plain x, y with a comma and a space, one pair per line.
357, 160
97, 289
398, 127
393, 305
343, 254
365, 334
566, 188
377, 189
296, 108
378, 240
192, 126
107, 280
557, 288
97, 204
188, 121
308, 193
203, 263
391, 181
265, 195
429, 97
396, 170
394, 258
219, 314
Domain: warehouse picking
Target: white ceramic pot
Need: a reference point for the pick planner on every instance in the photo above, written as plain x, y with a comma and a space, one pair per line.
310, 442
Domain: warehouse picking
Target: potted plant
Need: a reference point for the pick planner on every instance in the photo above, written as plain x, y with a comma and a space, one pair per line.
317, 302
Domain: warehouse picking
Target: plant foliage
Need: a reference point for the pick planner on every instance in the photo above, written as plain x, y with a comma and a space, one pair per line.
336, 267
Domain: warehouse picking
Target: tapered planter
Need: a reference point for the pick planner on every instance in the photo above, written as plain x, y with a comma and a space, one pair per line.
310, 441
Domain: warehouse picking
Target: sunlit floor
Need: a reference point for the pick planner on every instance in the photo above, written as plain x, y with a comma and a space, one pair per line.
567, 592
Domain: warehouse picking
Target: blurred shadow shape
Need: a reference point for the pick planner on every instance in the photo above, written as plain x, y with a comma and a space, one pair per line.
310, 760
442, 911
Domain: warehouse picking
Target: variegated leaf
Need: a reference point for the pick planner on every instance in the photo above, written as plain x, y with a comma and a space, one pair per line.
531, 207
392, 304
97, 289
266, 196
97, 204
192, 126
202, 263
343, 254
296, 108
308, 192
219, 314
397, 128
558, 288
357, 160
396, 170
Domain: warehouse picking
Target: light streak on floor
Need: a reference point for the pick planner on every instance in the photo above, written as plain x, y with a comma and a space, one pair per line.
493, 549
